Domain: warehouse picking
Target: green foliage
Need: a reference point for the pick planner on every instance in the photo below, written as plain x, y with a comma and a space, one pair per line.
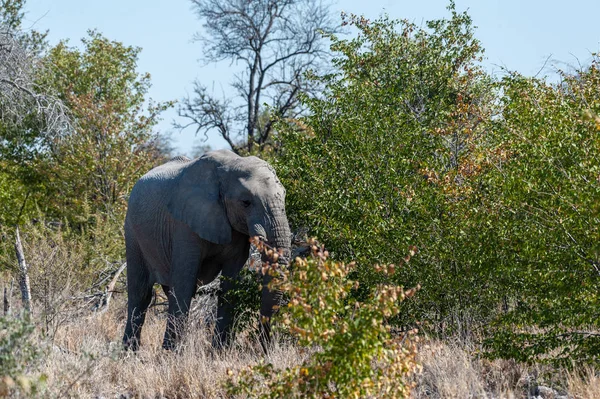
88, 165
13, 194
496, 182
387, 153
19, 358
353, 352
92, 169
244, 296
546, 199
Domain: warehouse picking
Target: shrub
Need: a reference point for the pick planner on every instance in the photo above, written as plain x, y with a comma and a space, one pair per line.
245, 298
67, 270
19, 358
353, 352
496, 181
391, 155
545, 211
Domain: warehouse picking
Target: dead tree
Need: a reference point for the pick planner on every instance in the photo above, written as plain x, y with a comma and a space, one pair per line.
275, 42
23, 276
22, 100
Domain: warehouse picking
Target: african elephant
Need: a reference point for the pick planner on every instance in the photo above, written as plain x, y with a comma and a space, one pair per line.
187, 221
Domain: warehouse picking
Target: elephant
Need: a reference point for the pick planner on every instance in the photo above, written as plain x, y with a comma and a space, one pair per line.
187, 220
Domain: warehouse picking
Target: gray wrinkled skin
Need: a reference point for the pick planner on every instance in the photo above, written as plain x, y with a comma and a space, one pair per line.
187, 221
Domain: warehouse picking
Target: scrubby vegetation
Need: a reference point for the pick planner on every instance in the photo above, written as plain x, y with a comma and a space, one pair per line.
410, 146
357, 355
496, 181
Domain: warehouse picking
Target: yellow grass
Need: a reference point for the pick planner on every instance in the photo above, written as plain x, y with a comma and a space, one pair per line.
86, 360
584, 383
83, 356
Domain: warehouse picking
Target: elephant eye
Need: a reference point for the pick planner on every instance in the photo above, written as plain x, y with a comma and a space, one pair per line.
246, 203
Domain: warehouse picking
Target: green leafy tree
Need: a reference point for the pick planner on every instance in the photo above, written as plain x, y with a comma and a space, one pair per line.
545, 197
93, 167
495, 182
28, 111
391, 152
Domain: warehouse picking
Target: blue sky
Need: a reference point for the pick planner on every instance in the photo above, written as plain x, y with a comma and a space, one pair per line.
516, 34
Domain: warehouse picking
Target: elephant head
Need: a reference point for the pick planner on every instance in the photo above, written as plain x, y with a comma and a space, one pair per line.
221, 192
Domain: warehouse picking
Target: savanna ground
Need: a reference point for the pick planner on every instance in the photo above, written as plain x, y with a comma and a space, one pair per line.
84, 360
79, 349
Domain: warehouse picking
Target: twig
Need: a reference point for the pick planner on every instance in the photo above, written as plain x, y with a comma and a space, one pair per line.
110, 289
7, 297
164, 303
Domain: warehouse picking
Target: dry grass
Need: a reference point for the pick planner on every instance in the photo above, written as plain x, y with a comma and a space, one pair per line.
86, 361
451, 371
83, 356
455, 370
584, 383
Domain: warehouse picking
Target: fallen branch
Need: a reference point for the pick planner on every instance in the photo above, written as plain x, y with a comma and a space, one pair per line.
110, 289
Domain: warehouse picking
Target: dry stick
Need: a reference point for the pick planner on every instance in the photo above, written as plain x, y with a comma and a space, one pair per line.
7, 297
6, 302
111, 287
23, 276
10, 294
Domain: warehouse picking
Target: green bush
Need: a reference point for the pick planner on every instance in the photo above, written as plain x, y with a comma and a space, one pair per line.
353, 352
545, 204
497, 182
245, 298
390, 155
19, 358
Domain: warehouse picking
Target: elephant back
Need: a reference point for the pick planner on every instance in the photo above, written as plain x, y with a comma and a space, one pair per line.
152, 190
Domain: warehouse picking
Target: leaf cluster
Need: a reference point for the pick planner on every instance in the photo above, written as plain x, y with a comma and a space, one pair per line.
352, 351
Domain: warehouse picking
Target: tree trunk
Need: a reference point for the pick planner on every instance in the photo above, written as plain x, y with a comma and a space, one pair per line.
23, 276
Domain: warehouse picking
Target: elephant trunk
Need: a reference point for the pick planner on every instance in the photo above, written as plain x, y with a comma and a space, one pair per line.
279, 237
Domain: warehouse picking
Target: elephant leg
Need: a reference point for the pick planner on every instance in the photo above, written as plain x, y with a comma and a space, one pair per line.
180, 299
139, 295
223, 335
184, 271
270, 301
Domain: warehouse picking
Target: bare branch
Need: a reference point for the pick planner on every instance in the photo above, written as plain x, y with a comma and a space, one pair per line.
20, 96
206, 113
276, 41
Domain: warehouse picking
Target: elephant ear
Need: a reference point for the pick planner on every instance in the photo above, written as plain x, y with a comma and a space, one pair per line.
196, 202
